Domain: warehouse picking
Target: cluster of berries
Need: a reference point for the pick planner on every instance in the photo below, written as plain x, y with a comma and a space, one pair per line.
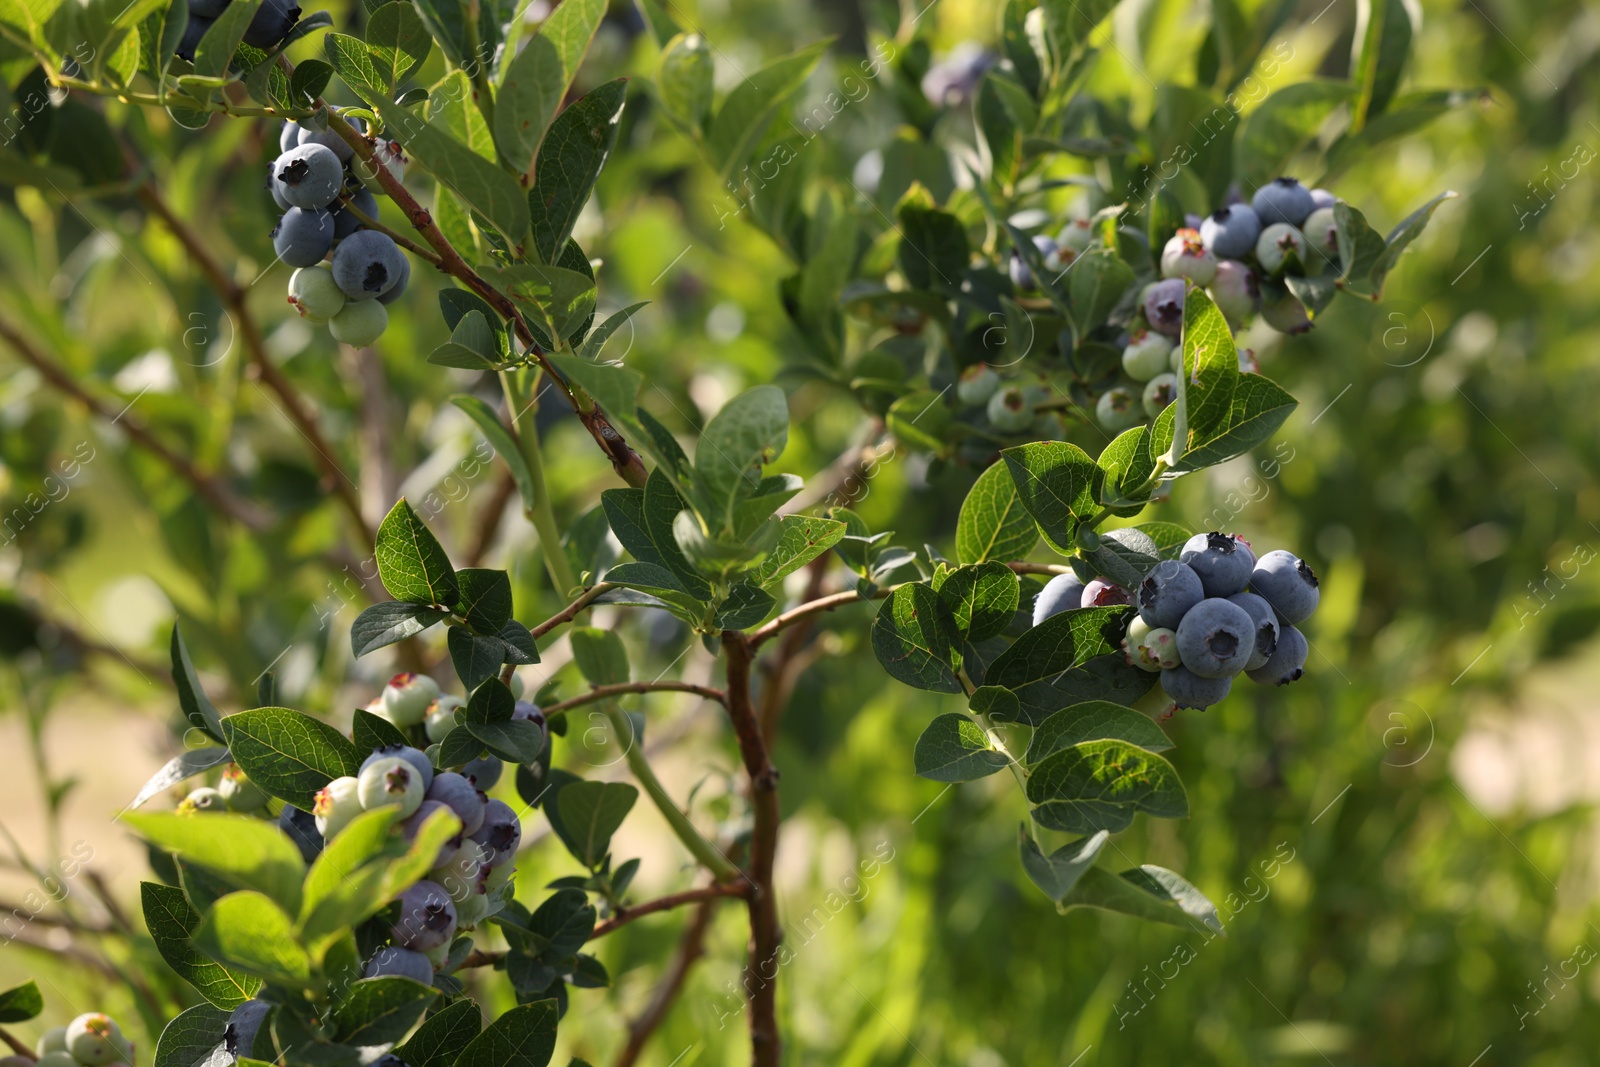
324, 192
1213, 613
235, 792
412, 700
90, 1040
268, 26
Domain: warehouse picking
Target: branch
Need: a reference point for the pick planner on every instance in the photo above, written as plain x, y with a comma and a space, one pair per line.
233, 296
690, 948
570, 612
714, 891
783, 669
16, 1046
213, 491
605, 692
760, 636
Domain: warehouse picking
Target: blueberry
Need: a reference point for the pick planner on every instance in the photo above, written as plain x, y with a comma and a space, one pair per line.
1102, 593
1150, 648
401, 962
1216, 638
1189, 690
461, 796
407, 696
301, 826
244, 1023
953, 80
427, 918
1283, 200
1267, 628
1284, 581
272, 187
416, 757
1159, 393
390, 782
412, 823
977, 384
1064, 592
55, 1059
272, 22
1146, 355
302, 238
208, 9
309, 176
397, 290
1163, 306
1322, 236
1167, 593
239, 791
1281, 311
367, 265
1231, 232
441, 717
1118, 409
1236, 290
528, 711
484, 772
95, 1038
190, 40
1321, 198
327, 139
360, 323
1223, 562
1276, 243
1075, 237
1010, 410
1021, 275
52, 1040
500, 833
288, 133
1186, 257
1288, 660
201, 800
392, 159
336, 804
345, 222
314, 293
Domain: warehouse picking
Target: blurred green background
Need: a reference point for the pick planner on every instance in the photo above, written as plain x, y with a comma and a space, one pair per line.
1402, 846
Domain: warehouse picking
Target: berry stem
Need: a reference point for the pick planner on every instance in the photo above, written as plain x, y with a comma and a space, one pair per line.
570, 612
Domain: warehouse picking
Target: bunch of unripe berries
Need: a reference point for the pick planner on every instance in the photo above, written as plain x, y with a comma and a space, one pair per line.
325, 191
268, 26
91, 1040
1210, 615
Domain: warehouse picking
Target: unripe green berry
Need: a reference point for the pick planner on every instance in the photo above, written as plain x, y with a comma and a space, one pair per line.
204, 799
314, 294
390, 782
1159, 393
336, 804
1118, 409
359, 323
978, 383
1010, 411
1147, 354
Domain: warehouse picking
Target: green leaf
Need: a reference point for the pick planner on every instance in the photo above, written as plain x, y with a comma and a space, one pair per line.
803, 539
505, 446
590, 814
485, 598
1100, 785
1004, 139
411, 563
915, 639
384, 624
569, 29
1125, 556
1038, 667
1096, 281
475, 657
380, 1011
600, 655
745, 606
529, 96
197, 707
492, 192
240, 850
21, 1003
490, 702
683, 79
451, 354
561, 300
1093, 720
1284, 124
982, 599
993, 523
398, 41
1056, 482
1128, 463
195, 1036
29, 17
215, 50
747, 110
749, 432
933, 247
171, 922
595, 343
440, 1041
288, 754
1360, 247
369, 732
1060, 871
956, 749
922, 420
1401, 236
310, 78
525, 1036
1382, 44
350, 57
365, 867
1168, 536
184, 765
570, 159
253, 934
1147, 892
1068, 23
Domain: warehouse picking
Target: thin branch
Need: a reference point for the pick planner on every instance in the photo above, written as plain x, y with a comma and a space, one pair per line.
714, 891
570, 612
783, 668
16, 1046
760, 636
691, 946
605, 692
212, 490
234, 298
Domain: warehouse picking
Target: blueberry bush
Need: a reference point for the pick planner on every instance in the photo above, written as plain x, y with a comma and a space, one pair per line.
1033, 290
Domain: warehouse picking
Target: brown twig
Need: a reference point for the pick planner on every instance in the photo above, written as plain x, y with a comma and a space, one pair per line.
16, 1046
604, 692
714, 891
570, 612
765, 633
691, 946
213, 491
782, 669
234, 298
761, 966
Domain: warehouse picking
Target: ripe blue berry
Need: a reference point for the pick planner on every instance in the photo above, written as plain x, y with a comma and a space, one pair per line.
1167, 593
1223, 562
1230, 232
412, 824
289, 133
1064, 592
1216, 638
427, 918
1146, 355
1021, 276
192, 32
243, 1025
1321, 198
400, 962
500, 833
272, 187
1284, 581
1281, 311
407, 696
1186, 257
1287, 662
1236, 290
1189, 690
484, 772
302, 237
345, 222
309, 176
1267, 628
360, 323
1118, 409
1159, 393
461, 796
1163, 306
1010, 410
1283, 200
977, 384
397, 290
327, 139
414, 756
1103, 593
953, 80
301, 826
366, 265
336, 804
272, 22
